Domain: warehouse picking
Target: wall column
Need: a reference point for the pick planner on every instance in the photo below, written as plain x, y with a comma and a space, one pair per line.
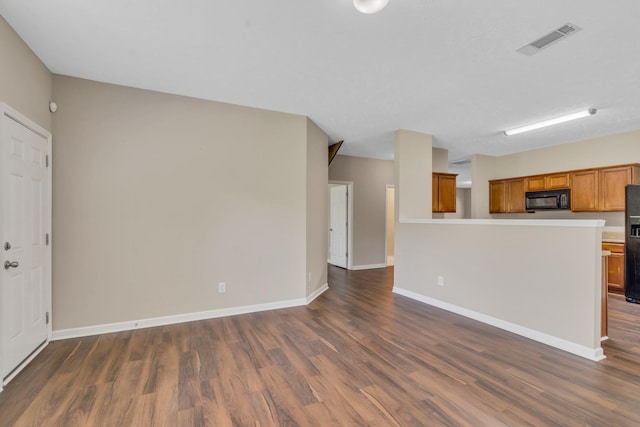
413, 166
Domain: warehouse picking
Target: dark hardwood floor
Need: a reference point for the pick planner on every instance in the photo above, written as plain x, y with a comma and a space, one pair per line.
358, 355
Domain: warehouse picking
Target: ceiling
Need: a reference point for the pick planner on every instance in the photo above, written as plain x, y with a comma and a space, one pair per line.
448, 68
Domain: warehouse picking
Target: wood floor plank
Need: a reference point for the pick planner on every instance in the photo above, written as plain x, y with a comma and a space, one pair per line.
357, 356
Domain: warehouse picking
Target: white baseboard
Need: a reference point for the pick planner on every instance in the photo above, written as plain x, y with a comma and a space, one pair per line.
568, 346
368, 266
23, 364
315, 294
177, 318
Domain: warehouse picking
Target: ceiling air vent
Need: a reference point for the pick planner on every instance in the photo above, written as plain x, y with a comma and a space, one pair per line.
549, 39
461, 162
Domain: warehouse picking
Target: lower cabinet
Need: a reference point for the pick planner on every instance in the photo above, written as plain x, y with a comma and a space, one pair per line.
615, 271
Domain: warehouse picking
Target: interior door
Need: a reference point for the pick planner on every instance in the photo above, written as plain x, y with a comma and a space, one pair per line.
25, 264
338, 225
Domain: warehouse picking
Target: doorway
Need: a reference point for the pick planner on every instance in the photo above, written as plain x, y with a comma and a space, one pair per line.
25, 276
390, 222
340, 219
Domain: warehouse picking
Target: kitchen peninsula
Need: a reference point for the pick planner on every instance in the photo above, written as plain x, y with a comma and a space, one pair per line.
541, 279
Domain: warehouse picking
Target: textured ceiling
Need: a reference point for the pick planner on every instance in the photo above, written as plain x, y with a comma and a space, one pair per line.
448, 68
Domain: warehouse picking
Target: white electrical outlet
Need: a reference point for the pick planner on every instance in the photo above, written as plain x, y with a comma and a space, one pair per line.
440, 281
222, 287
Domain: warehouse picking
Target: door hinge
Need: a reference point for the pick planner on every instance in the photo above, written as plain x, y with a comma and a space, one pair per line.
46, 160
46, 239
46, 316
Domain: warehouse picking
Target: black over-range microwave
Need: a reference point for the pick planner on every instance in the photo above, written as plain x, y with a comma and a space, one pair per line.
548, 200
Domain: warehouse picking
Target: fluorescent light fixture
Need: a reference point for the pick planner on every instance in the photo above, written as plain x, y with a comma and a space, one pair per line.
370, 6
550, 122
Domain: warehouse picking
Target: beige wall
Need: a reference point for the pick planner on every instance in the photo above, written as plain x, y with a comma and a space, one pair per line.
317, 207
370, 178
610, 150
518, 277
440, 160
465, 199
157, 198
413, 158
25, 83
482, 170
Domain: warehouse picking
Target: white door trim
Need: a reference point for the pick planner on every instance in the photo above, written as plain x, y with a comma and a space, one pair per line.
9, 112
349, 185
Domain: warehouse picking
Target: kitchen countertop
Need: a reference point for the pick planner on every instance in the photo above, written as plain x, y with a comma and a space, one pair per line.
611, 240
613, 234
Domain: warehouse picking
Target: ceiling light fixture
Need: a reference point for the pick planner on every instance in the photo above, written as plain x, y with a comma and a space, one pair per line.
370, 6
551, 122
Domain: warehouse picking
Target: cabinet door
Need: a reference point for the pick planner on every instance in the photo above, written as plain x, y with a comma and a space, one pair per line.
612, 183
434, 194
584, 191
615, 270
535, 183
556, 181
497, 197
515, 195
447, 193
615, 275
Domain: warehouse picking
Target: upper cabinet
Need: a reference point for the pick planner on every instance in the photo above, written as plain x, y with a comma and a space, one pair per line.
556, 181
584, 191
547, 182
602, 190
443, 192
497, 196
592, 190
507, 196
612, 184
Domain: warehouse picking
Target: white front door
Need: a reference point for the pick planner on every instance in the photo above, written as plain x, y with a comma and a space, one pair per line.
25, 263
338, 225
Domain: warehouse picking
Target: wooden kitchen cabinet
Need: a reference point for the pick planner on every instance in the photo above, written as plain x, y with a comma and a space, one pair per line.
497, 197
534, 183
615, 270
592, 190
612, 184
553, 181
507, 196
443, 192
556, 181
602, 189
584, 190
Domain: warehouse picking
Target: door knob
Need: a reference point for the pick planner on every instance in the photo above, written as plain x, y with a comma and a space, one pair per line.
9, 264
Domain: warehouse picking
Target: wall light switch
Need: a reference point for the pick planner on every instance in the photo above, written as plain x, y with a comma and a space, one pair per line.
222, 287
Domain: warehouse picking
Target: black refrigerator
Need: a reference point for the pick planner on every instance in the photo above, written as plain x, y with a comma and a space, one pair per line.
632, 244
